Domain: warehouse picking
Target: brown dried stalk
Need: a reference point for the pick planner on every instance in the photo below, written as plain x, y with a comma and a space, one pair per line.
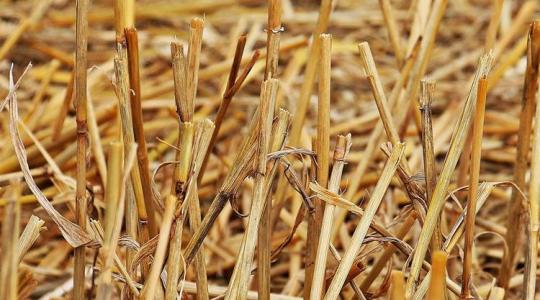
273, 37
529, 282
426, 97
179, 186
229, 93
516, 209
138, 127
277, 144
362, 228
476, 154
186, 80
81, 37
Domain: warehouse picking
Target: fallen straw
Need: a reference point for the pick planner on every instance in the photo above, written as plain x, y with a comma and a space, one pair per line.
28, 22
72, 233
393, 32
394, 209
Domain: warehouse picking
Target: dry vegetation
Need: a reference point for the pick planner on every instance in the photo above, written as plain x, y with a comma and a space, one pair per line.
280, 149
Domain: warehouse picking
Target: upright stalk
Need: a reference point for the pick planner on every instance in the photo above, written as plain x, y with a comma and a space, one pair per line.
397, 287
516, 209
476, 154
322, 149
264, 236
531, 261
426, 97
437, 285
238, 286
138, 128
81, 37
343, 146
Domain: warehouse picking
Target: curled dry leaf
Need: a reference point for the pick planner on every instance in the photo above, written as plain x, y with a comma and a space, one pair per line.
73, 234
